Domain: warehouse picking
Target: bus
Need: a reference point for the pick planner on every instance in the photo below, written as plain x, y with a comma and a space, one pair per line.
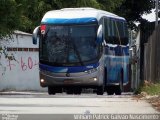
82, 48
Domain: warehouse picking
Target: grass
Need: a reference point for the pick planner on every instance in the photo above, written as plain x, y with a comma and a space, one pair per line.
151, 89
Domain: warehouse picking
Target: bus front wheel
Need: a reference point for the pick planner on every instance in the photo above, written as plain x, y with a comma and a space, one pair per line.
51, 90
100, 90
77, 91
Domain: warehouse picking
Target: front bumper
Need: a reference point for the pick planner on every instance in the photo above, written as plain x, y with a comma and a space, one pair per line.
80, 79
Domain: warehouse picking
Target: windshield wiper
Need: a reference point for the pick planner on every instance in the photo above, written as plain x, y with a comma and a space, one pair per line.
78, 54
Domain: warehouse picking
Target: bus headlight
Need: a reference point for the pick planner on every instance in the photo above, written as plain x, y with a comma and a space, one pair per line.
95, 79
91, 70
42, 80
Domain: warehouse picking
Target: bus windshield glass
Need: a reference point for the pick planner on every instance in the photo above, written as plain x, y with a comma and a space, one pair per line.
69, 45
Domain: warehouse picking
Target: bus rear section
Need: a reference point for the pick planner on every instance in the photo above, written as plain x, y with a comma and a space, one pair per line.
116, 55
116, 68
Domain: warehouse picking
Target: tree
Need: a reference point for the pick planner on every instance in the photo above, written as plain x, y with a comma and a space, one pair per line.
32, 12
26, 14
76, 3
110, 5
133, 10
9, 13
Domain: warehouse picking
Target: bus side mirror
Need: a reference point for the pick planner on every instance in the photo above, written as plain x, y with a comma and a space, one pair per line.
35, 35
100, 34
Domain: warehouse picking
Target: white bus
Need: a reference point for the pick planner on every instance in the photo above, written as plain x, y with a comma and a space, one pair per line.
82, 48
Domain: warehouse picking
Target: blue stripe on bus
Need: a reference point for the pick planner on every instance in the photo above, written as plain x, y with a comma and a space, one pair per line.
68, 69
68, 21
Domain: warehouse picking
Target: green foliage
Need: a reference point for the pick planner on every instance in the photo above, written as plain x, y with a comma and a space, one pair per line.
110, 5
32, 13
26, 14
76, 3
133, 10
9, 17
152, 89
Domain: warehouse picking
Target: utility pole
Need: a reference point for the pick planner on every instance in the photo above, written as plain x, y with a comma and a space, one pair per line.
156, 23
154, 48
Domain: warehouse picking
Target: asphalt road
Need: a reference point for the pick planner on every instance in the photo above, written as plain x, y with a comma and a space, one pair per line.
13, 103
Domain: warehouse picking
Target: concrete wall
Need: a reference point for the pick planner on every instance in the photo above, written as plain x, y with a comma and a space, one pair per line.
23, 72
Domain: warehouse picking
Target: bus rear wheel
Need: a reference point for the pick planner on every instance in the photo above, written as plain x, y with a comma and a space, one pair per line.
119, 88
110, 90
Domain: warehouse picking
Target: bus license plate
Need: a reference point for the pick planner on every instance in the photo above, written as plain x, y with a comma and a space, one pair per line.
68, 81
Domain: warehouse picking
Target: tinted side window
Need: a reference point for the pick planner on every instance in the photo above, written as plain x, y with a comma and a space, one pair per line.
116, 31
125, 39
107, 29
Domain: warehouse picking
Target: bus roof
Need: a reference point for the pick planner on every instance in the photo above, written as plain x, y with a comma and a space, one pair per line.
76, 14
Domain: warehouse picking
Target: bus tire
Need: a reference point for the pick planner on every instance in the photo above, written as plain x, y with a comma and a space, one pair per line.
51, 90
118, 91
69, 91
77, 91
119, 88
110, 90
100, 90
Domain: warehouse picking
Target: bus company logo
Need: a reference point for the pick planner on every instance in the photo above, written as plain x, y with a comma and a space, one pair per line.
67, 74
89, 66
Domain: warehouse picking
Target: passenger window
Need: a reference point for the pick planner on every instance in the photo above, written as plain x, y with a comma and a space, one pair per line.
116, 31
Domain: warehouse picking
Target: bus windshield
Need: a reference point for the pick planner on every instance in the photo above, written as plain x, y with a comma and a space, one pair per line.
69, 45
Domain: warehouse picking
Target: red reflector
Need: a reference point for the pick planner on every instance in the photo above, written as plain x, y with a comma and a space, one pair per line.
43, 27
